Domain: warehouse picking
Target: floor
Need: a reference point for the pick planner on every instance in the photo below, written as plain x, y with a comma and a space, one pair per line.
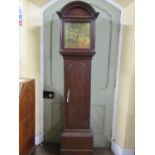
53, 149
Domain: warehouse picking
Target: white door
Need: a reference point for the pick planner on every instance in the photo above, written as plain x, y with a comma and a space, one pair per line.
104, 66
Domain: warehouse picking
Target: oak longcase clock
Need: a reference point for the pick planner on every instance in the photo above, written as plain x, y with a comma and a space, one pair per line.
77, 48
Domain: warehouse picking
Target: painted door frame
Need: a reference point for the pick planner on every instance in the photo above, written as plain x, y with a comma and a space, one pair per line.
40, 138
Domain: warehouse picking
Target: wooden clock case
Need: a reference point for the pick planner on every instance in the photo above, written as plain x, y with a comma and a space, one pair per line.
77, 138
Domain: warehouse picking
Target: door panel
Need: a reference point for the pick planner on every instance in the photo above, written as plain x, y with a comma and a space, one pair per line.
53, 81
103, 73
102, 91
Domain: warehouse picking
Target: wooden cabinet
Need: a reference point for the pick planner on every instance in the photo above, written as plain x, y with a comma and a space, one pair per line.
26, 116
77, 48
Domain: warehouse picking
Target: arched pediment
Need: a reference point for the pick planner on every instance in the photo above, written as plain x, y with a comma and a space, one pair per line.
78, 9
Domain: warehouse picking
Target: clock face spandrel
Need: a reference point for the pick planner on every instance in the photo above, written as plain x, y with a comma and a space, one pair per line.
77, 35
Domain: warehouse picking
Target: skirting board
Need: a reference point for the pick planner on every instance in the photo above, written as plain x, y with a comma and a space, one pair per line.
38, 139
116, 148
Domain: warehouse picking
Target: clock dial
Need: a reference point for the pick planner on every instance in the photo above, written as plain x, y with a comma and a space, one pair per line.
77, 35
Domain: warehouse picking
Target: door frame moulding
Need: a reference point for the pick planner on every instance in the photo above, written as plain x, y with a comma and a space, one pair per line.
114, 4
117, 78
118, 150
40, 140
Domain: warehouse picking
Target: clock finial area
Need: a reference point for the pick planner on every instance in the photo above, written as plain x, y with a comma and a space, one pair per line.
78, 9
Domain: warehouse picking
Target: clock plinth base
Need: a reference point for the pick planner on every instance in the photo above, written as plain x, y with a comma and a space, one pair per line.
77, 152
77, 142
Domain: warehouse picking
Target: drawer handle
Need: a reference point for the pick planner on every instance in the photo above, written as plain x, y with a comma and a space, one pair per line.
68, 95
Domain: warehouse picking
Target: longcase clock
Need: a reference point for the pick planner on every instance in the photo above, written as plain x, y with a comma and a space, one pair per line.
77, 48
